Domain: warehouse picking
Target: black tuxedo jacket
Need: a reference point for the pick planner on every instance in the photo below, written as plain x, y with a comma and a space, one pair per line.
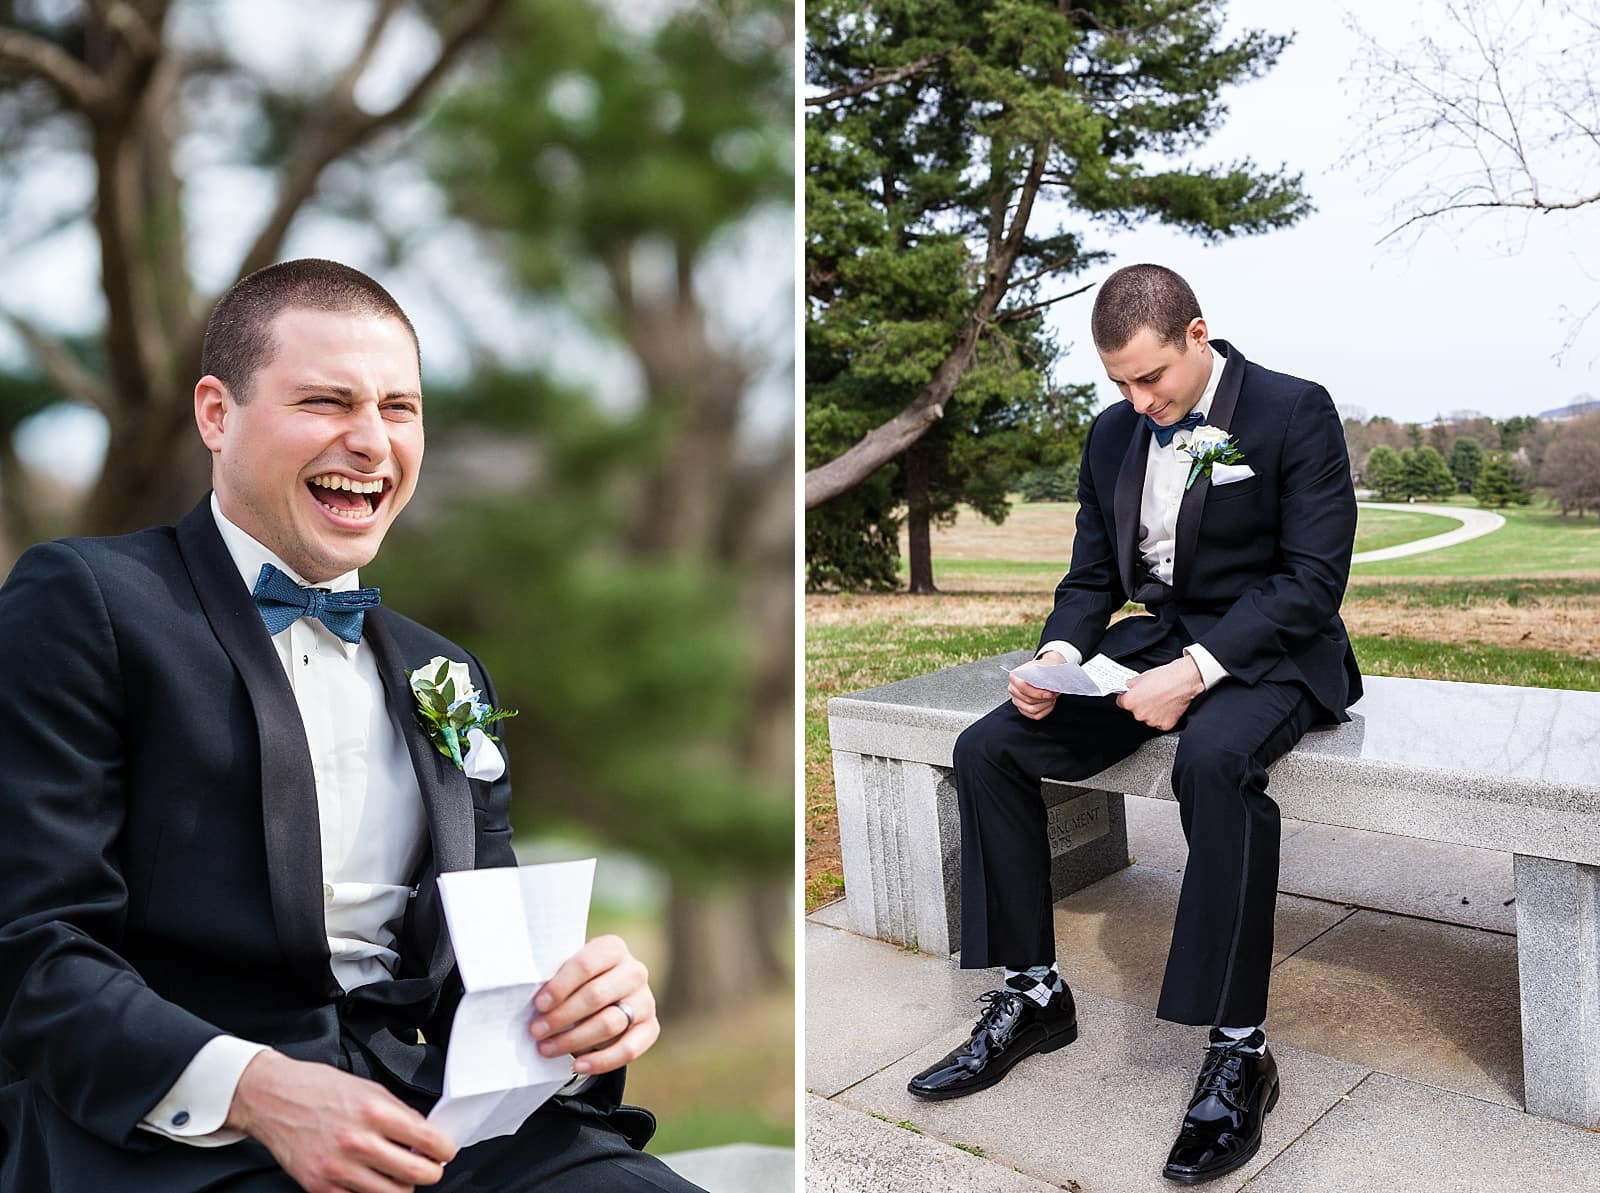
160, 863
1260, 565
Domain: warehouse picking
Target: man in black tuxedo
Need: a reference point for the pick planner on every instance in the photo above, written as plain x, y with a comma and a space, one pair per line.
1240, 567
220, 930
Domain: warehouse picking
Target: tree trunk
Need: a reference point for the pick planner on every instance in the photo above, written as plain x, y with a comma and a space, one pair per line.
724, 944
888, 440
18, 530
713, 958
771, 924
919, 545
155, 470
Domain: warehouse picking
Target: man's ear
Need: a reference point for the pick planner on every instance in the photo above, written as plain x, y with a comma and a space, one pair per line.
212, 404
1197, 333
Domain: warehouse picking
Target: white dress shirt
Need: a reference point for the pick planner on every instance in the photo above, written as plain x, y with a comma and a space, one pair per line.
1166, 470
373, 832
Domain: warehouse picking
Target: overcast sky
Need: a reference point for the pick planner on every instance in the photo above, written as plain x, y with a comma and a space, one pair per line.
1453, 320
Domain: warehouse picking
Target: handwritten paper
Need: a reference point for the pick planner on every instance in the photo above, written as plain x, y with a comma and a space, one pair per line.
511, 928
1099, 676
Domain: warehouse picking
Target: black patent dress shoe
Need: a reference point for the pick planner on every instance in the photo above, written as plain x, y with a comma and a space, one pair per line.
1222, 1129
1011, 1027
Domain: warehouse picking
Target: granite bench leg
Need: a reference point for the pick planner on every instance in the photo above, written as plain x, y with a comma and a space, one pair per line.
900, 837
1558, 960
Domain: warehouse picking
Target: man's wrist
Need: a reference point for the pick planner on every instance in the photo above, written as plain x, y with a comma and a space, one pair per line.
1211, 672
259, 1070
1197, 684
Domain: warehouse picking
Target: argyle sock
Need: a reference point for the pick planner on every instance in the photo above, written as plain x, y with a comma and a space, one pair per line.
1040, 982
1244, 1039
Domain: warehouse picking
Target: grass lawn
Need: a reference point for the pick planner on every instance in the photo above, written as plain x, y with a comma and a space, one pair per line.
1030, 550
1535, 541
1518, 606
1377, 529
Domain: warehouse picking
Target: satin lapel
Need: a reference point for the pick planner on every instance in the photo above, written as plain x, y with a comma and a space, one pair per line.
446, 797
1192, 509
289, 812
1129, 497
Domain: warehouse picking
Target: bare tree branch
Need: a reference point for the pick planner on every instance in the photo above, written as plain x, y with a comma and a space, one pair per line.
24, 54
63, 369
1034, 308
336, 126
880, 79
1488, 204
128, 23
382, 15
137, 352
1487, 111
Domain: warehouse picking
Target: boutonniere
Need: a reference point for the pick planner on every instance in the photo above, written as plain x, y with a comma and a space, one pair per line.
451, 712
1207, 446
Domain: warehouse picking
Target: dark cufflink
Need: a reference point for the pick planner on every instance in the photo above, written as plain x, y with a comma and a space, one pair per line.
180, 1118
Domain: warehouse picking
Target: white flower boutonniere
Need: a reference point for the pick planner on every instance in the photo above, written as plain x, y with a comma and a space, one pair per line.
1207, 446
450, 710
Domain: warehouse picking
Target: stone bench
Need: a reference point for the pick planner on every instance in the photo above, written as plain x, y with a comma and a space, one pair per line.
736, 1168
1503, 768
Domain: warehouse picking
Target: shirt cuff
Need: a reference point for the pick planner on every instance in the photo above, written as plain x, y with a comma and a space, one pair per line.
197, 1105
1211, 672
1067, 651
579, 1083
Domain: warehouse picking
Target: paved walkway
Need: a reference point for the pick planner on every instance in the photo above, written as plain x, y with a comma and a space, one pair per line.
1475, 523
1394, 1019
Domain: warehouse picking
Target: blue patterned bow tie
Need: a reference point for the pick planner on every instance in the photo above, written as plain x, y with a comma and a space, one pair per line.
1164, 434
281, 602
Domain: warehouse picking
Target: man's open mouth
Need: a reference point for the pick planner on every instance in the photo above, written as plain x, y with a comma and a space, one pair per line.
345, 497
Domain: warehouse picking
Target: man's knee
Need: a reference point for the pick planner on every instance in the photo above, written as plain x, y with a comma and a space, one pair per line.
1208, 770
973, 745
993, 737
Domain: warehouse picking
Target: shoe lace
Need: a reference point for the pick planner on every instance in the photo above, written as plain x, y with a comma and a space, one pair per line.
997, 1003
1220, 1072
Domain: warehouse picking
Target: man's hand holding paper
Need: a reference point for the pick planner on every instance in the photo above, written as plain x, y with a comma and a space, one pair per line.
1161, 696
579, 1010
516, 1029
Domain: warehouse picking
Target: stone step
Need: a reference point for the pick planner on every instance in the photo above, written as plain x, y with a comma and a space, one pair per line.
851, 1152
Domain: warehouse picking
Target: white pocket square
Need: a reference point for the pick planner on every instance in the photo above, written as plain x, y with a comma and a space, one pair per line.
1226, 474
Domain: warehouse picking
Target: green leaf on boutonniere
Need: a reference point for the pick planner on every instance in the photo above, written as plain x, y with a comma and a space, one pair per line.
449, 708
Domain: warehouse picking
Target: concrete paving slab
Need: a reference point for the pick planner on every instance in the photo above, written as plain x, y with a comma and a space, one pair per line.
834, 915
851, 1152
1387, 872
1155, 837
1112, 938
869, 1003
1400, 1136
1103, 1112
1435, 1003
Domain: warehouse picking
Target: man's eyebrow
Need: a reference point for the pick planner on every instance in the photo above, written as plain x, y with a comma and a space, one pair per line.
344, 391
1155, 372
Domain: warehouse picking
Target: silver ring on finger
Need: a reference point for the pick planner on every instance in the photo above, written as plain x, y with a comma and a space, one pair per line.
627, 1011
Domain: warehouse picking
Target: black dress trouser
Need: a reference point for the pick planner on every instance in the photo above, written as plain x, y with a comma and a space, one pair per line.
1221, 955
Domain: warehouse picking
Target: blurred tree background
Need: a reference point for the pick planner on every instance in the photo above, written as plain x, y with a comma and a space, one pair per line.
586, 208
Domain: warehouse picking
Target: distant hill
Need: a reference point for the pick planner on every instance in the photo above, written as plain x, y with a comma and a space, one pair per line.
1583, 404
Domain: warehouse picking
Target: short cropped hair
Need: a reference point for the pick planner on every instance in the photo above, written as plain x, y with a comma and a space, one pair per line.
1142, 296
238, 339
